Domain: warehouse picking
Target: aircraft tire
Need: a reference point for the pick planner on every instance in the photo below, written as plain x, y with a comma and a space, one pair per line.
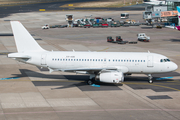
90, 82
150, 81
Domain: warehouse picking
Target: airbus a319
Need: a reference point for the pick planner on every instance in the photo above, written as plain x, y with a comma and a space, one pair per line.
108, 67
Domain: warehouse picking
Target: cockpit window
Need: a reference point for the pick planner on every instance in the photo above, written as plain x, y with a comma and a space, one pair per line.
164, 60
168, 60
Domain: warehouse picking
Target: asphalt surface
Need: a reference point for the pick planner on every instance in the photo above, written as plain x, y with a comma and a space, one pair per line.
54, 6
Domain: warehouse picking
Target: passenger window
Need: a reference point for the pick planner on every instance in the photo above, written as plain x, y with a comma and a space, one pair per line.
144, 60
141, 60
98, 59
124, 60
84, 59
87, 59
121, 60
132, 60
52, 59
135, 60
129, 60
79, 59
105, 60
109, 60
168, 60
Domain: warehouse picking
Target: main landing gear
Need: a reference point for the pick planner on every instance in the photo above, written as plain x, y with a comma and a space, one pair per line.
91, 79
150, 78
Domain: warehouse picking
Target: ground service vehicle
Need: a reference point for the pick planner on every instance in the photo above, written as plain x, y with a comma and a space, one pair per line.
109, 39
124, 15
143, 37
46, 26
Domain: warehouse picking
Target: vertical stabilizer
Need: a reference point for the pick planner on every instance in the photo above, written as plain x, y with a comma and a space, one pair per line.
178, 9
24, 41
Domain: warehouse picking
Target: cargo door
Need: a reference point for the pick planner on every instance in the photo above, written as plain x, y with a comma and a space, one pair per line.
43, 59
150, 61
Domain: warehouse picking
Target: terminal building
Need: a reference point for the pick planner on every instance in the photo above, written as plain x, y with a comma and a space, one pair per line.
172, 4
164, 13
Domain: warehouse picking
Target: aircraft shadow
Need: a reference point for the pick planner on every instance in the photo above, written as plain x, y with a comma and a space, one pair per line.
70, 81
49, 76
86, 77
173, 40
150, 27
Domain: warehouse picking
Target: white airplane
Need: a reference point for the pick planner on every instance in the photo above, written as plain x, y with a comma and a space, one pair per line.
108, 67
156, 2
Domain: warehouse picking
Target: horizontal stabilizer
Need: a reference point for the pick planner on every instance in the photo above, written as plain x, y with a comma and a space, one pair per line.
18, 55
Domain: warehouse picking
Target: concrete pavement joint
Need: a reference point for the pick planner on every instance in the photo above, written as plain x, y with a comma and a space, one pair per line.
100, 110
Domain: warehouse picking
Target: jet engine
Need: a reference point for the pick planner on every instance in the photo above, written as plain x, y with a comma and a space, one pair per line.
110, 77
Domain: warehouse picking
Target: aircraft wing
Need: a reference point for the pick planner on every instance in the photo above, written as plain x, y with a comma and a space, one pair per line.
122, 69
89, 69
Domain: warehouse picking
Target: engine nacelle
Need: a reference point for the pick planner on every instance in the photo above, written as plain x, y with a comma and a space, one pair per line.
111, 77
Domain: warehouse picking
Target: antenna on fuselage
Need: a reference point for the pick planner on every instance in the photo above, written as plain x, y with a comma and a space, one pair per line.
149, 51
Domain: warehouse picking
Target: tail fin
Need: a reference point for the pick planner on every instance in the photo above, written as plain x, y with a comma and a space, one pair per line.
24, 41
178, 9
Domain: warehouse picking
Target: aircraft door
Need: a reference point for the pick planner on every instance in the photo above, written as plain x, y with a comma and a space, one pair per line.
150, 61
43, 59
104, 62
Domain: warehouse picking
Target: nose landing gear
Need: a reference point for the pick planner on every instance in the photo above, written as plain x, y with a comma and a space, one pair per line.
150, 78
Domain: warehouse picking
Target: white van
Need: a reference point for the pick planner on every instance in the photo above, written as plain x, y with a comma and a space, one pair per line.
124, 15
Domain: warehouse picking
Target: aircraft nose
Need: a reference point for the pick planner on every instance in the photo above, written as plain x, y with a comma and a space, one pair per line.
174, 67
